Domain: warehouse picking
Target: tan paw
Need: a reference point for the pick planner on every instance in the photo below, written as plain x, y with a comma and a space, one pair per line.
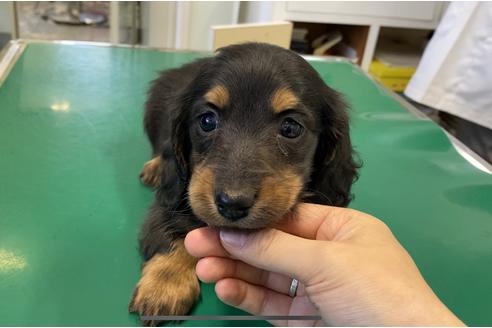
151, 172
168, 286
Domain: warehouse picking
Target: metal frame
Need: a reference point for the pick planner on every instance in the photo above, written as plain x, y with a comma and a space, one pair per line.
107, 44
8, 57
469, 155
15, 20
12, 52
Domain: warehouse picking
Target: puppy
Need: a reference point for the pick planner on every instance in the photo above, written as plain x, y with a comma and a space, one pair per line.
238, 139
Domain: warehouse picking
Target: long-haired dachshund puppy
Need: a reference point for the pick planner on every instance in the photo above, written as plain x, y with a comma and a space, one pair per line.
238, 140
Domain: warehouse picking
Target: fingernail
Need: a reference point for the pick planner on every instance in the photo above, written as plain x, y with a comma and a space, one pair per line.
233, 238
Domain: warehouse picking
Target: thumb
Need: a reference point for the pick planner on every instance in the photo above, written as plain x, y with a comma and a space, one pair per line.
276, 251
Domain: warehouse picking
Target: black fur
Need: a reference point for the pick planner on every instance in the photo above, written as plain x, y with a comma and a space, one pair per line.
166, 123
247, 150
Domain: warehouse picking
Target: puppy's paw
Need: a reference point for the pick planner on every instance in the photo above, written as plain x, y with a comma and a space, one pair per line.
168, 286
151, 172
163, 298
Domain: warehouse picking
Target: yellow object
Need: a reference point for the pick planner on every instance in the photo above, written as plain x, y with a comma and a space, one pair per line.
392, 83
380, 69
393, 77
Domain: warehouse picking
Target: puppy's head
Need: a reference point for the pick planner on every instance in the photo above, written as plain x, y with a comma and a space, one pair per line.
257, 131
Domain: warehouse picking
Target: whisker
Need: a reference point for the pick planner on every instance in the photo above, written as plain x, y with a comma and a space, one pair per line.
319, 193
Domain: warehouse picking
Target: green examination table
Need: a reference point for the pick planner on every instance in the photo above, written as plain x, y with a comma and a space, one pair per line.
71, 204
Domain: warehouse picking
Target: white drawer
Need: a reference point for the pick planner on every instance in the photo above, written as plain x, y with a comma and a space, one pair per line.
424, 11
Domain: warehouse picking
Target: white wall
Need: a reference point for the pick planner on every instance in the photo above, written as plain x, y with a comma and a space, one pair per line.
255, 12
158, 23
204, 15
5, 16
186, 24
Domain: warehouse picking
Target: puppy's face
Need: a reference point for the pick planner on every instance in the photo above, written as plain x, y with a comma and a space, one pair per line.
254, 125
251, 154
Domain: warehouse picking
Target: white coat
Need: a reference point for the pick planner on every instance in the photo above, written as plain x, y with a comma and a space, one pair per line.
455, 72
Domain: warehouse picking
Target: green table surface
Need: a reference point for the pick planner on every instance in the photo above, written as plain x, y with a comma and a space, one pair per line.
71, 204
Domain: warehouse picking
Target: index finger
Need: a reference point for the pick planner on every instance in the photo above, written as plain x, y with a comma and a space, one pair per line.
203, 242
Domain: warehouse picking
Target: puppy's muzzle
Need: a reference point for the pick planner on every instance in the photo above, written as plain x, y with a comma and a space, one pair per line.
235, 207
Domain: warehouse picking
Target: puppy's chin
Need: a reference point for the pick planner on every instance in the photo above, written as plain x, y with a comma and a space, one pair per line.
276, 197
250, 222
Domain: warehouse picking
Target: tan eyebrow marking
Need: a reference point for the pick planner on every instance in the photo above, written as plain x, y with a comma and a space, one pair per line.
218, 95
284, 99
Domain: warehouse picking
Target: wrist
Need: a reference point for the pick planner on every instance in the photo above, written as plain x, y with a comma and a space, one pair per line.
421, 309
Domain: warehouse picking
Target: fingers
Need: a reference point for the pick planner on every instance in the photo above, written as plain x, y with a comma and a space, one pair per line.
307, 220
271, 249
253, 299
204, 242
213, 269
275, 250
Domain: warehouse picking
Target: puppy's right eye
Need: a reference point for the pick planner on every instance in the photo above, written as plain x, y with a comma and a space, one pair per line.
290, 128
208, 122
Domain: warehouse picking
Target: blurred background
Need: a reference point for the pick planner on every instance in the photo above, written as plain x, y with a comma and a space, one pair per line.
387, 40
378, 36
354, 30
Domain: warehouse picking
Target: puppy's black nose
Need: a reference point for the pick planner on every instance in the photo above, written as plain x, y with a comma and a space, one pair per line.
233, 208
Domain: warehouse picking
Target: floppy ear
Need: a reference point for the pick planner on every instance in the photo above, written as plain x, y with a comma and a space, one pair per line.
182, 85
335, 168
175, 153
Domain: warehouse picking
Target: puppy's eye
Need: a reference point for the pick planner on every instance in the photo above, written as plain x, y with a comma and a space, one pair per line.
290, 128
208, 121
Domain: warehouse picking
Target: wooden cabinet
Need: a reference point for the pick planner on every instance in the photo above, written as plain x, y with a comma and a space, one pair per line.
369, 17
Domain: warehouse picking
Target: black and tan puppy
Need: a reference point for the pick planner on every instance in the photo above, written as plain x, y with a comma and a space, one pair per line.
238, 139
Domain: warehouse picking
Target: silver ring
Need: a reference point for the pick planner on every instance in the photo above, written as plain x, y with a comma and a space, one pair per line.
293, 288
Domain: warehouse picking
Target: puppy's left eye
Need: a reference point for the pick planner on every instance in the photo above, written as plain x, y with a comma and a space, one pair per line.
208, 122
290, 128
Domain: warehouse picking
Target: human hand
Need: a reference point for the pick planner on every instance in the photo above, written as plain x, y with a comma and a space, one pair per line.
351, 268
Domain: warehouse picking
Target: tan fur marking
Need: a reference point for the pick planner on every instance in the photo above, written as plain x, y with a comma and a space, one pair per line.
152, 171
284, 99
168, 285
200, 193
276, 196
218, 95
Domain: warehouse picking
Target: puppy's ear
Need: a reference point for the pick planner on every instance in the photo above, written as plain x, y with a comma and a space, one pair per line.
186, 83
176, 154
335, 168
